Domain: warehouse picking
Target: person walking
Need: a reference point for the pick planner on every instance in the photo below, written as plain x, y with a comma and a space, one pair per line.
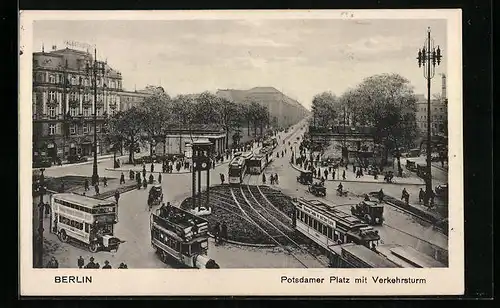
421, 195
122, 178
105, 181
86, 185
96, 188
271, 179
159, 177
144, 171
152, 168
276, 178
343, 175
91, 263
145, 183
80, 262
217, 232
117, 196
223, 231
53, 263
221, 178
263, 178
106, 265
326, 173
405, 196
131, 174
333, 174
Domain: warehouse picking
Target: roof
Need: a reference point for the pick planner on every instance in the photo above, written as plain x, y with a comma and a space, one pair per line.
415, 257
82, 200
333, 213
368, 256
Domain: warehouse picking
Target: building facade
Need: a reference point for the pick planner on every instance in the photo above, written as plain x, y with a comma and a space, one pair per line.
63, 103
439, 112
129, 99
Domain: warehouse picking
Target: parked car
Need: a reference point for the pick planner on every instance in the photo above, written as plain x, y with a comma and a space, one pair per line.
77, 159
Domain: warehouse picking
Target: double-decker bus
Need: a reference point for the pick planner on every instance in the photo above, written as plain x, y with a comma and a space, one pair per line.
327, 226
238, 167
182, 236
86, 220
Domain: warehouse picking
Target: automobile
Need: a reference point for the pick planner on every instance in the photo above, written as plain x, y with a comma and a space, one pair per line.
77, 159
442, 190
317, 189
305, 177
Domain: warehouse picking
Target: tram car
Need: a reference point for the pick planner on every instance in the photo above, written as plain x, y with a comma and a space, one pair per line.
181, 236
258, 163
84, 220
238, 167
327, 226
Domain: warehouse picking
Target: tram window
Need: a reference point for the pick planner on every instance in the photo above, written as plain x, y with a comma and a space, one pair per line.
302, 216
330, 232
306, 220
315, 224
325, 230
87, 227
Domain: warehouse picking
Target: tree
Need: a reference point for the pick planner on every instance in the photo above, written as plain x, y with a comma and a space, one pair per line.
254, 116
324, 108
128, 124
157, 112
228, 115
206, 108
389, 104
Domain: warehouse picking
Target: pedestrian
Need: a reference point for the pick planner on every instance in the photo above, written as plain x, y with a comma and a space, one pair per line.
96, 187
91, 263
53, 263
380, 195
353, 168
223, 231
271, 179
217, 232
222, 178
145, 183
122, 179
117, 196
97, 265
131, 174
106, 265
151, 178
333, 175
343, 175
421, 195
276, 178
122, 265
431, 197
105, 182
86, 184
159, 177
144, 171
62, 187
263, 178
152, 168
80, 262
404, 195
326, 173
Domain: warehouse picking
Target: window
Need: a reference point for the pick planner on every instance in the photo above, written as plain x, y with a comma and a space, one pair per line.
52, 78
73, 112
52, 129
52, 95
52, 111
98, 111
85, 128
86, 112
72, 129
73, 96
86, 97
98, 128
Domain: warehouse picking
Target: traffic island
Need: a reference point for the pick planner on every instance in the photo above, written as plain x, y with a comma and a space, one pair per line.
241, 229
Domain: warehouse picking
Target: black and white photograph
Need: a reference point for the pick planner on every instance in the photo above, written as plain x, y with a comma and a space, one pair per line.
246, 141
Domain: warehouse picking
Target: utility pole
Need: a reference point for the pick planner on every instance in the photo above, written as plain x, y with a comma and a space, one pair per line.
41, 205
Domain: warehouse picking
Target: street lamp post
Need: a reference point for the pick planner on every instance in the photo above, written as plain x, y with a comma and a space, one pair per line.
41, 191
429, 57
95, 69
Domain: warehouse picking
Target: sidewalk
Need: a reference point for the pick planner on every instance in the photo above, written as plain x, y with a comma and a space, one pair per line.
89, 161
351, 177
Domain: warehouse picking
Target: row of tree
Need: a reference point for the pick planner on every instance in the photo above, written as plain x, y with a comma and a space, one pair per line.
384, 102
158, 114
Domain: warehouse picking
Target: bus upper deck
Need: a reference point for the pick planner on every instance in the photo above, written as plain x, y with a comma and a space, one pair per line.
186, 225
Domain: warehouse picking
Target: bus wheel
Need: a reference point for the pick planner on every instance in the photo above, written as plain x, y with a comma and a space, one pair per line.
93, 247
63, 236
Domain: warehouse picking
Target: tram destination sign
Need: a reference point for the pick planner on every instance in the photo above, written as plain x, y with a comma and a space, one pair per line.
319, 216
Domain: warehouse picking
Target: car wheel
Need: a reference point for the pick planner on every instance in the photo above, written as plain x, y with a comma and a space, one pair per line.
93, 247
63, 236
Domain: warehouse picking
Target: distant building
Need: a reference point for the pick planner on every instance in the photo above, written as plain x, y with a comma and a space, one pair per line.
63, 122
129, 99
439, 112
284, 109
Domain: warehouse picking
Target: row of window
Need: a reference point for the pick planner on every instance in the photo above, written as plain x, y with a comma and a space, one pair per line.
166, 239
102, 210
76, 80
318, 226
73, 129
87, 97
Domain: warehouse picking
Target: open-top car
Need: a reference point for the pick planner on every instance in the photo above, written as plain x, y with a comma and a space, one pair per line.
305, 177
317, 189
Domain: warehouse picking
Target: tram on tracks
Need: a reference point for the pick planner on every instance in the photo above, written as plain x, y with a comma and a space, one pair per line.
179, 235
259, 162
238, 167
328, 227
84, 220
383, 256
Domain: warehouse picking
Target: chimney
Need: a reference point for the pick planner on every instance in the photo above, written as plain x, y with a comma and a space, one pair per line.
443, 87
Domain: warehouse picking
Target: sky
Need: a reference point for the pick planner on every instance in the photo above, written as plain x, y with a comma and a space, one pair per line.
300, 57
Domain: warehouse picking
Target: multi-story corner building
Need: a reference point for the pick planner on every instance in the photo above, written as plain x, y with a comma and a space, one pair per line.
63, 103
129, 99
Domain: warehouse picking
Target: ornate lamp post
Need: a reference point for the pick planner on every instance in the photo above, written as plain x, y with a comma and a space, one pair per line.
429, 57
95, 70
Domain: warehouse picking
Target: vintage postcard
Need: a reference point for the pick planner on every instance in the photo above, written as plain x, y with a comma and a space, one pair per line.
241, 153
